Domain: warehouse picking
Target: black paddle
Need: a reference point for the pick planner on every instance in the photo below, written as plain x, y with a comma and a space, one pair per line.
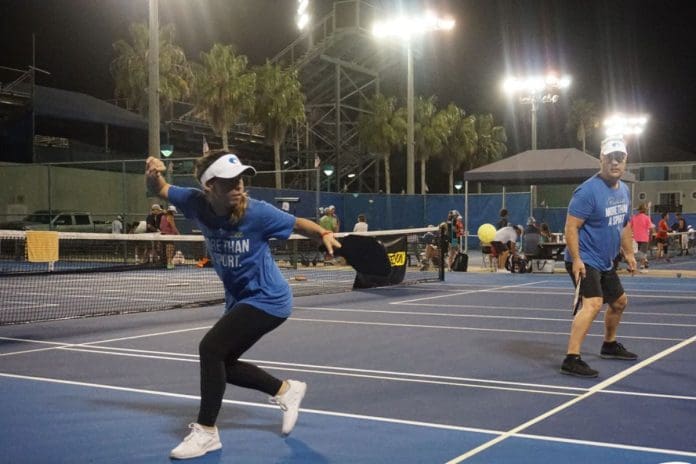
576, 299
364, 254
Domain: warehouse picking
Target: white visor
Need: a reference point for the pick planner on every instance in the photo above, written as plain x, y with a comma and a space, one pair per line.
226, 167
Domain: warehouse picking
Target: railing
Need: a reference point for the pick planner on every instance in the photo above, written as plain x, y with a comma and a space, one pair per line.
667, 208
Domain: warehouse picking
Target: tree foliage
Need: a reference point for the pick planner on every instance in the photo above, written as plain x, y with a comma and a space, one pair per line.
491, 141
460, 143
430, 132
583, 120
381, 128
223, 89
279, 102
130, 69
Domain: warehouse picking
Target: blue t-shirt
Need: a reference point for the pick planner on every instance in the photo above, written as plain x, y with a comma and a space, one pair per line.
606, 212
240, 252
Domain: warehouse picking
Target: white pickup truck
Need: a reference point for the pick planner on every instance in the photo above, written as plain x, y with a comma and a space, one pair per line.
60, 221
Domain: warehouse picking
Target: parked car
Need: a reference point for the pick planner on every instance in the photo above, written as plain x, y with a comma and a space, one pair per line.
60, 221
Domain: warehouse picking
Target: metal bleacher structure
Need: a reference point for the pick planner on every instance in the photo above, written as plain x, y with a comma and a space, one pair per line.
340, 66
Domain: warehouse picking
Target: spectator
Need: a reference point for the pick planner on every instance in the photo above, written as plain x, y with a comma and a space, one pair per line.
505, 243
642, 227
329, 221
503, 221
532, 240
683, 237
432, 241
152, 223
168, 227
117, 225
361, 225
153, 219
456, 232
662, 237
545, 235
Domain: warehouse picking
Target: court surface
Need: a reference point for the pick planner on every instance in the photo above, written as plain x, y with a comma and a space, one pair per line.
464, 370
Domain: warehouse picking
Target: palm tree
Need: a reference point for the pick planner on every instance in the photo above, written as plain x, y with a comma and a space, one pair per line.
382, 128
129, 69
491, 141
583, 119
430, 131
223, 89
279, 102
461, 140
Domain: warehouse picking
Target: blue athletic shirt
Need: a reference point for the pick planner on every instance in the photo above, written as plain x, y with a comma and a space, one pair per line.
240, 252
606, 212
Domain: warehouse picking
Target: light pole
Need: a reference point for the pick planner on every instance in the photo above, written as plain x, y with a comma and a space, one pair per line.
534, 90
406, 28
153, 82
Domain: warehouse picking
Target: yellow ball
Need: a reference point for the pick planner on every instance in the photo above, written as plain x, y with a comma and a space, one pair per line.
486, 233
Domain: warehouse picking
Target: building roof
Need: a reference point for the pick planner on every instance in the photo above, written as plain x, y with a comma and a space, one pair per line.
555, 166
64, 104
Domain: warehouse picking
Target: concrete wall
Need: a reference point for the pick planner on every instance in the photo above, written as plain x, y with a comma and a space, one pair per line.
105, 194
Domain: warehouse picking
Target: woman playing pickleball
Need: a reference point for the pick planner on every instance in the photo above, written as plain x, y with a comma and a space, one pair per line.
258, 299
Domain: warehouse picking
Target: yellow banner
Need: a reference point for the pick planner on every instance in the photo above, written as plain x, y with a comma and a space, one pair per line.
42, 247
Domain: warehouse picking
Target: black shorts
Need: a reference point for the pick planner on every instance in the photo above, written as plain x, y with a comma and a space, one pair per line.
500, 246
598, 283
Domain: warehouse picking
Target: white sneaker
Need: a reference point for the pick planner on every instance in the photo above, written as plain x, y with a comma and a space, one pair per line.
289, 402
197, 443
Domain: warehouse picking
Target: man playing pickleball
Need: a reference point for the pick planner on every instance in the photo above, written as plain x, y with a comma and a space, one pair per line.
597, 227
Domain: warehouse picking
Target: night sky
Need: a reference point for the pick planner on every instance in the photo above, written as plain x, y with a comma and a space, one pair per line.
634, 56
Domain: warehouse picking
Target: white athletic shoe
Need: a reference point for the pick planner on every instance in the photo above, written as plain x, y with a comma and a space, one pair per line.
289, 402
197, 443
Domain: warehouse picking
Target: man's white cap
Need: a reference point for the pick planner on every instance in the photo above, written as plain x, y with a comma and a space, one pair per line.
612, 144
226, 167
171, 208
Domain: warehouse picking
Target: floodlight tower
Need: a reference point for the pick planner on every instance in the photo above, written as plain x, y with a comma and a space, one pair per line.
622, 125
533, 90
406, 28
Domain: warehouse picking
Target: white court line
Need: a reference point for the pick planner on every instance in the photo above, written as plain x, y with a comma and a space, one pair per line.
90, 347
485, 316
381, 375
595, 389
474, 329
487, 290
350, 416
529, 308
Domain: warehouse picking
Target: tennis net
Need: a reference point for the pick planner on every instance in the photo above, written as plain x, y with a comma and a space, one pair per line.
60, 275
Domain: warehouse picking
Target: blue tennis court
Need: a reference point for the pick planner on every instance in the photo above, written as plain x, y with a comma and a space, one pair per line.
464, 370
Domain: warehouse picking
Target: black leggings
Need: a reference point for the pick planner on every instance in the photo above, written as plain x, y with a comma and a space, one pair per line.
219, 352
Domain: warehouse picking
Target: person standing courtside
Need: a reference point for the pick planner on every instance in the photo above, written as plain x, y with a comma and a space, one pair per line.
237, 230
597, 227
361, 225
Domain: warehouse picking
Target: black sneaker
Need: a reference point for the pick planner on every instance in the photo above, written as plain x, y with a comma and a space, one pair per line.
616, 350
573, 365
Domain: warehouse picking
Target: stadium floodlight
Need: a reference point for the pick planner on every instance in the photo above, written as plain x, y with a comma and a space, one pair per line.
533, 90
328, 171
166, 150
405, 28
303, 15
620, 124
